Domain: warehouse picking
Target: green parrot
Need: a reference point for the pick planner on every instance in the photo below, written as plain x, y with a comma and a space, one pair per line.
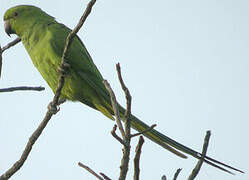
44, 39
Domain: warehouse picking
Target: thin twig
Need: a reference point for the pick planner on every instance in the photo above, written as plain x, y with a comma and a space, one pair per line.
12, 43
22, 88
204, 151
18, 164
125, 133
54, 103
128, 99
127, 121
143, 132
1, 60
64, 64
105, 176
126, 149
164, 177
137, 158
177, 173
90, 171
115, 108
113, 133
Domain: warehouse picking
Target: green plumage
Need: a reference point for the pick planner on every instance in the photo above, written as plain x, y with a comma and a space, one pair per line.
44, 40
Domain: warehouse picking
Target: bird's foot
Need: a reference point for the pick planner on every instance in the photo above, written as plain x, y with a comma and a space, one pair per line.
63, 69
61, 101
52, 108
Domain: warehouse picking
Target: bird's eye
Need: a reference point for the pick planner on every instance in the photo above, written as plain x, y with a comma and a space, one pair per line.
15, 14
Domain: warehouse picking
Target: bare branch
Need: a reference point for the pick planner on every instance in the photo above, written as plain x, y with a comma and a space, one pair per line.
90, 171
113, 132
177, 173
27, 149
128, 100
127, 139
12, 43
204, 151
164, 177
105, 176
1, 60
54, 103
143, 132
137, 158
64, 64
115, 108
125, 134
22, 88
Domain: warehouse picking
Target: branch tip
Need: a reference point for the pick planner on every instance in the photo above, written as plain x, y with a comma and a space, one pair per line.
105, 176
115, 108
145, 131
22, 88
137, 158
113, 133
90, 170
202, 159
177, 173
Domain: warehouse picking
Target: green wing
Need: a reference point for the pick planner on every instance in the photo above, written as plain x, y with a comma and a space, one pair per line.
83, 69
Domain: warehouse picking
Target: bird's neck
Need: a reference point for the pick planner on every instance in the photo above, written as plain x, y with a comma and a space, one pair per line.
34, 32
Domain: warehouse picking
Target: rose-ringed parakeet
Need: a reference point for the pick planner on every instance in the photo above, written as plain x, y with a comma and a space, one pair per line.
44, 39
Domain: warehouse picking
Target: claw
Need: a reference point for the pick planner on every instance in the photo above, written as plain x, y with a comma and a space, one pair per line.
61, 101
64, 68
53, 109
61, 70
66, 65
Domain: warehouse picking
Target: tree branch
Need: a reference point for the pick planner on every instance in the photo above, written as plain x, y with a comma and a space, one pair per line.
143, 132
163, 177
105, 176
115, 107
18, 164
12, 43
137, 158
128, 101
54, 103
200, 162
125, 133
64, 65
126, 149
90, 171
113, 132
177, 173
1, 60
22, 88
126, 138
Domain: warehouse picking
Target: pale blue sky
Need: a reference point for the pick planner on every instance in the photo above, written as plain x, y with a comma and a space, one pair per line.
186, 65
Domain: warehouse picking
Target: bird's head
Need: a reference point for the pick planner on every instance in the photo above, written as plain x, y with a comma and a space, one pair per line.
21, 18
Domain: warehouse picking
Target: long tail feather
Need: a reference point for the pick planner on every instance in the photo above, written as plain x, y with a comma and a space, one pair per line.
176, 147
